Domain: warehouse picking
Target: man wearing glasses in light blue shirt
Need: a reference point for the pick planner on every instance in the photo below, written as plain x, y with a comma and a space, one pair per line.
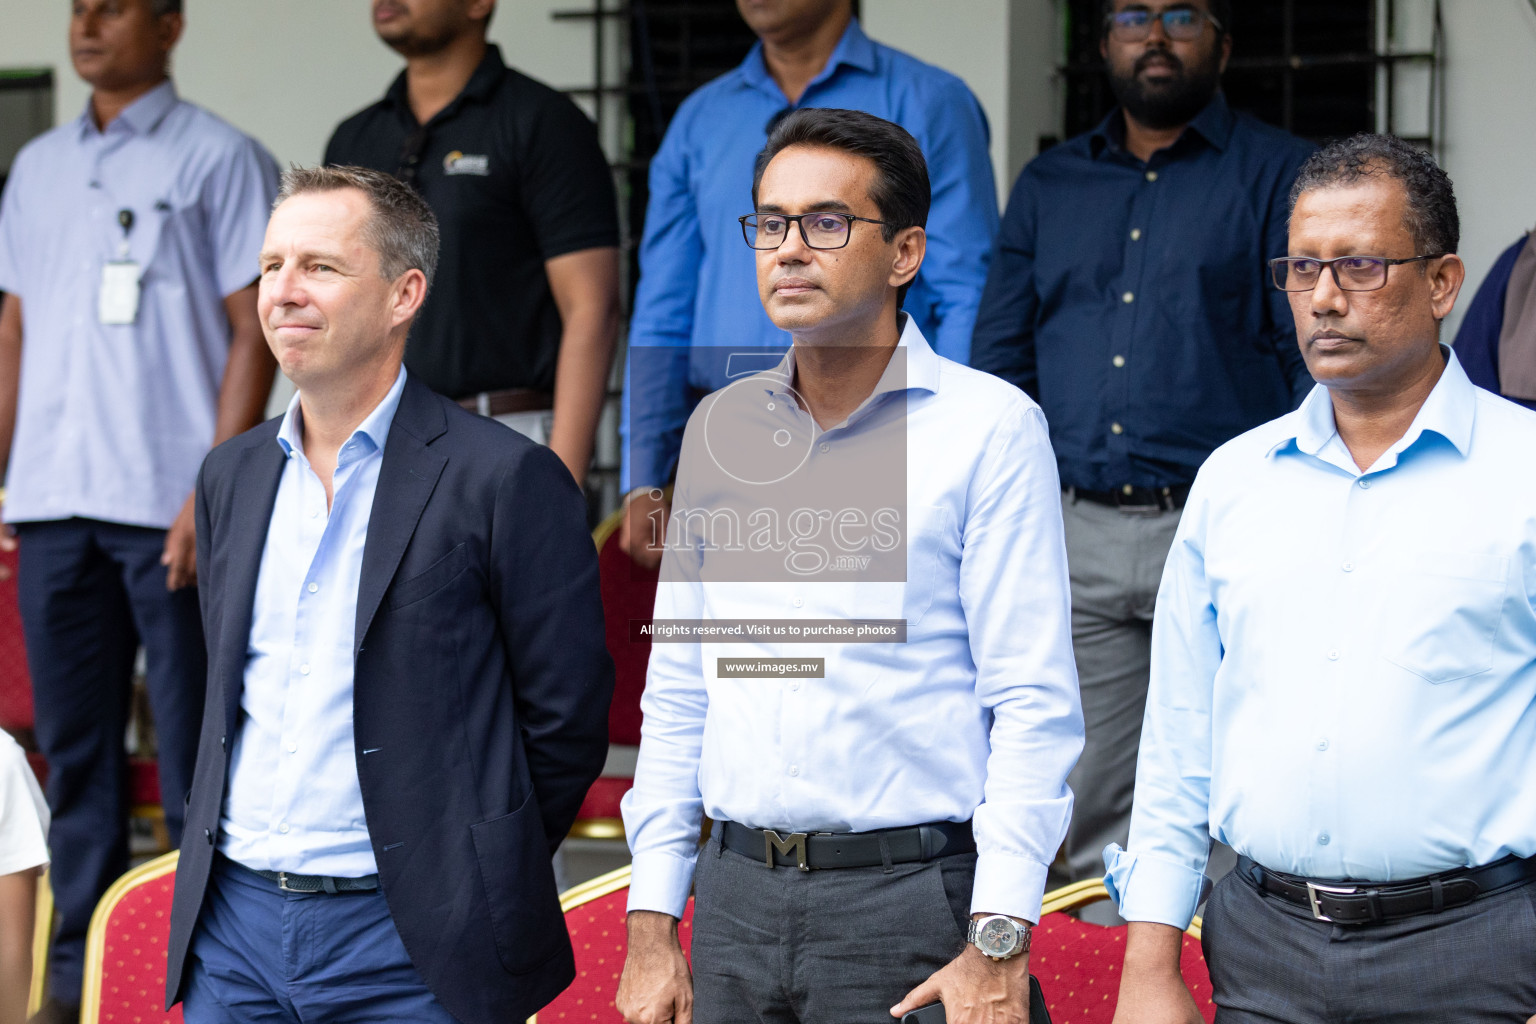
695, 309
1344, 657
884, 811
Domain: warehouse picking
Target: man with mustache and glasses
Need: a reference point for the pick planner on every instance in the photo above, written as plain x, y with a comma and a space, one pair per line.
1344, 657
523, 321
1127, 296
129, 345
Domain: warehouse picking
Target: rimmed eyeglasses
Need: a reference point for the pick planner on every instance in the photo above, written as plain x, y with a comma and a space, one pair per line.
1350, 273
823, 230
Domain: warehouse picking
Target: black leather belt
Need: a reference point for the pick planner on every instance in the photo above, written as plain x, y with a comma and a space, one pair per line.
1130, 499
1350, 902
287, 881
818, 851
507, 402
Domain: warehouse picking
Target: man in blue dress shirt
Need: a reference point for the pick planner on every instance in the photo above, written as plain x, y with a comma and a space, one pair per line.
1344, 657
1127, 296
876, 809
696, 306
129, 344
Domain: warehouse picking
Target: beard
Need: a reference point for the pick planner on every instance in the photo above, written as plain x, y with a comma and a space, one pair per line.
1170, 103
419, 42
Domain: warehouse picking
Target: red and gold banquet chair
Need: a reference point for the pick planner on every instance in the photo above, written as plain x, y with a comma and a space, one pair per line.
1078, 964
125, 948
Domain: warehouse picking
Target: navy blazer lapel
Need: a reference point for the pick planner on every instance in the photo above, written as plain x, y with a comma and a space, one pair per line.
255, 480
406, 480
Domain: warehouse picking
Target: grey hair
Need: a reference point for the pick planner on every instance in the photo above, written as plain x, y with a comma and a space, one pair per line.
402, 230
1431, 218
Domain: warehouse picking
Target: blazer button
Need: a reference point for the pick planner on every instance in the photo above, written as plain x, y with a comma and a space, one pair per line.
221, 742
209, 833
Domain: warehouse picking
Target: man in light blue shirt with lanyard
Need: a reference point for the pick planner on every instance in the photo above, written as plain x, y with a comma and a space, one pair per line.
695, 307
1344, 657
129, 344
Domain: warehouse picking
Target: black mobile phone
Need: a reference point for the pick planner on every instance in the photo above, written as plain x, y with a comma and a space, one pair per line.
933, 1013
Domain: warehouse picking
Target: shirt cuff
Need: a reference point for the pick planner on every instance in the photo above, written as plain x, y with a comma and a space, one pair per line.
1163, 893
1007, 884
660, 882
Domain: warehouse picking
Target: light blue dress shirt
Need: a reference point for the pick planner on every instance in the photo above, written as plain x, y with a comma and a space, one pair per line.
294, 802
976, 716
112, 422
1344, 663
697, 297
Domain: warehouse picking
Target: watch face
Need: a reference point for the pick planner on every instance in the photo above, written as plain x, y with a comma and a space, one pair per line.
998, 937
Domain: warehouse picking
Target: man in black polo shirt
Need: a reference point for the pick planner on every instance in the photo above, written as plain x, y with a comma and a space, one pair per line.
524, 312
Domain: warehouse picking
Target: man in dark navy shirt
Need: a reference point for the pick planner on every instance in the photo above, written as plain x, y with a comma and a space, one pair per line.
1128, 296
527, 300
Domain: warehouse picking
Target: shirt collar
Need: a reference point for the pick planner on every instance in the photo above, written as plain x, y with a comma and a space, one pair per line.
143, 115
372, 432
854, 49
1448, 412
1213, 124
481, 85
914, 365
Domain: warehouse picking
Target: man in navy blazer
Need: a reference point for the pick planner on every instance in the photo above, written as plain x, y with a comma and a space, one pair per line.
407, 683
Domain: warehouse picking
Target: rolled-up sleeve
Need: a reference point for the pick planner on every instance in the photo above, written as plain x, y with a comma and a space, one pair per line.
1014, 589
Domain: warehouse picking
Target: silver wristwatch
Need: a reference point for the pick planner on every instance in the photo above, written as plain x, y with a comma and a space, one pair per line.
998, 937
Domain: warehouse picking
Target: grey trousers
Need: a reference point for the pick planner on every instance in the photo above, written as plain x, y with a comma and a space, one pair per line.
1116, 562
1273, 963
783, 946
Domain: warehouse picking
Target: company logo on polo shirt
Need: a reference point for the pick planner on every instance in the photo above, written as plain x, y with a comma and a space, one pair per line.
465, 163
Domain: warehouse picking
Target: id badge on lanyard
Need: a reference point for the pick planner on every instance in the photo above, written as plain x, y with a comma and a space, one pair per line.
118, 300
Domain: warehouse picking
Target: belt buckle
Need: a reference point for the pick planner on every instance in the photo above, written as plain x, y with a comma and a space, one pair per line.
1155, 508
1334, 890
282, 883
795, 841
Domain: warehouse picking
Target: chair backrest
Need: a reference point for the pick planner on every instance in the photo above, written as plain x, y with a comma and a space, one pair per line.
15, 683
594, 915
1078, 964
42, 939
628, 592
125, 948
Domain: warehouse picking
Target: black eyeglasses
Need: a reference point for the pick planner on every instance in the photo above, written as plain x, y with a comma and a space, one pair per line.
1350, 273
1184, 24
820, 230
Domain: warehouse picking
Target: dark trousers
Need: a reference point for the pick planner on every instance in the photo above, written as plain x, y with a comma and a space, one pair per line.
1273, 962
261, 956
90, 593
784, 946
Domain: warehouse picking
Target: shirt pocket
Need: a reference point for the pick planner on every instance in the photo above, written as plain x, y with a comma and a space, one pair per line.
1442, 621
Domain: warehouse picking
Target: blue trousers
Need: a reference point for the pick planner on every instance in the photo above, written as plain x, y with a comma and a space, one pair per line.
262, 955
90, 593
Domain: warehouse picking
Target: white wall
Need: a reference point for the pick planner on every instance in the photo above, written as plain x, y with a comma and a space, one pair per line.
1490, 136
1006, 50
287, 71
